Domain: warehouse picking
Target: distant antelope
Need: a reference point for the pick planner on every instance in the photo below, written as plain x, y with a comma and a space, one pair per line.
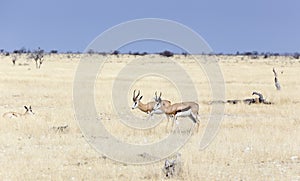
60, 129
172, 167
147, 108
16, 114
183, 109
257, 100
277, 84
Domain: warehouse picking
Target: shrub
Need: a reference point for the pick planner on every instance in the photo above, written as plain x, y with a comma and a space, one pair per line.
184, 53
54, 51
296, 55
166, 53
116, 52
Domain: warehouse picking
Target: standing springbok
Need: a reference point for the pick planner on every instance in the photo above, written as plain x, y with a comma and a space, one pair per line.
16, 114
147, 108
277, 84
183, 109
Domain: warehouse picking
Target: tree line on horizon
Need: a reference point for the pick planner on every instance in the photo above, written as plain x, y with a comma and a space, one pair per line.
166, 53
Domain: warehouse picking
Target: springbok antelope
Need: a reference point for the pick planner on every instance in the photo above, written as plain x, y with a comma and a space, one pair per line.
16, 114
183, 109
172, 167
277, 84
260, 98
147, 108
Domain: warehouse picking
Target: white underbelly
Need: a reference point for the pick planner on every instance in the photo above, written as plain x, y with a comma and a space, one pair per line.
158, 111
184, 113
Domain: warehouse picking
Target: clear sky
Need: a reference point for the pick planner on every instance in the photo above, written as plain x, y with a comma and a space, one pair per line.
227, 25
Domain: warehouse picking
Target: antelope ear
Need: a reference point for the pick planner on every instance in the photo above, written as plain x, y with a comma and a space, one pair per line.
26, 107
141, 97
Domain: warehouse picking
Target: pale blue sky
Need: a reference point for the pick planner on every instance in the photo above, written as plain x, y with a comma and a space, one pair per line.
227, 25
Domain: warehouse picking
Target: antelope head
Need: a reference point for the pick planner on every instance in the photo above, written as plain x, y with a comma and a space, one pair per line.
136, 99
28, 110
158, 101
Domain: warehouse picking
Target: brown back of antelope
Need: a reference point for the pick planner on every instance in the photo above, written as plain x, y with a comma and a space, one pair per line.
183, 109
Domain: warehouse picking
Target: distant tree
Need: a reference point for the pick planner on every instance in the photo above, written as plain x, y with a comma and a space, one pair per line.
116, 52
90, 51
138, 53
20, 51
53, 51
16, 51
296, 55
166, 53
135, 53
184, 54
102, 53
2, 51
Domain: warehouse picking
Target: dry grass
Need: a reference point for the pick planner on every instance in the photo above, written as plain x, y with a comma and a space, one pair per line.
257, 142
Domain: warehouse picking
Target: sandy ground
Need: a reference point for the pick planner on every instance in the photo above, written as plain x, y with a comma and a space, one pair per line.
254, 142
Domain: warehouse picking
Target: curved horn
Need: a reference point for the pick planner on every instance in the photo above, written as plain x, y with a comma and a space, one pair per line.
134, 98
159, 98
261, 97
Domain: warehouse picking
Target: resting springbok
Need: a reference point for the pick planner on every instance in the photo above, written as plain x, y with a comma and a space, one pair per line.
16, 114
147, 108
183, 109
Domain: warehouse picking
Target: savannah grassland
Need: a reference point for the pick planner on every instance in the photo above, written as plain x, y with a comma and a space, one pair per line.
254, 142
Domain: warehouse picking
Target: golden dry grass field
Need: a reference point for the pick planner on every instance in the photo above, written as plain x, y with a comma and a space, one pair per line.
254, 142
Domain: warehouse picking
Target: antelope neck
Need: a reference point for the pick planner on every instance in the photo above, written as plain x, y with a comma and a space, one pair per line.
143, 107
